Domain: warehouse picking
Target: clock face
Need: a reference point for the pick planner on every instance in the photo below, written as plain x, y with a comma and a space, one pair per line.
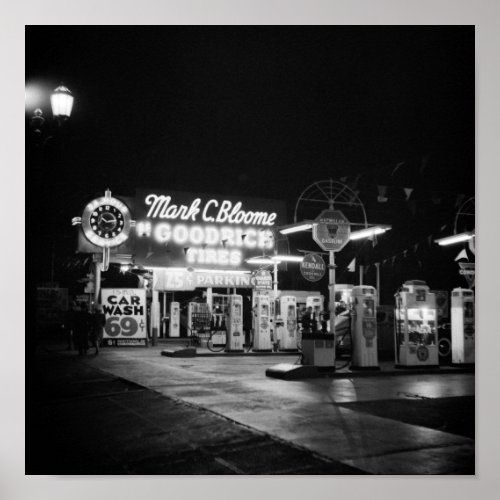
106, 222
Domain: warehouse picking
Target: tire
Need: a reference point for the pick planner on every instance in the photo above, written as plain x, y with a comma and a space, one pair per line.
216, 347
444, 347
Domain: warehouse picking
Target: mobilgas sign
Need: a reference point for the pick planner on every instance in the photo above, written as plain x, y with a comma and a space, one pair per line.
182, 230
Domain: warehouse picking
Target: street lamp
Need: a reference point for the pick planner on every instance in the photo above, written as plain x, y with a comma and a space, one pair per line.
296, 228
369, 232
455, 238
61, 101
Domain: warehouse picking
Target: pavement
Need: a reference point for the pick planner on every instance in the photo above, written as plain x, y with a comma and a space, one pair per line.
130, 410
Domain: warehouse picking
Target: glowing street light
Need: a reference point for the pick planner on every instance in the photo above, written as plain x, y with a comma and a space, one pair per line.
455, 238
295, 228
61, 101
369, 232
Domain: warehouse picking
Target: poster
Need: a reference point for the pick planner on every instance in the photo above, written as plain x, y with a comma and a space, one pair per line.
125, 311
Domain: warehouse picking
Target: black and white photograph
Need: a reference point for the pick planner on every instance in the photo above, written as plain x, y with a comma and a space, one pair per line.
258, 252
251, 250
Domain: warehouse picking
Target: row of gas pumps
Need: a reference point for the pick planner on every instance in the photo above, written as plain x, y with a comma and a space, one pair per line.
275, 323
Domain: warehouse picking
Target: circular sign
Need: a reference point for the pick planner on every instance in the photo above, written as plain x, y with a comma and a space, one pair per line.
106, 221
422, 353
312, 267
331, 230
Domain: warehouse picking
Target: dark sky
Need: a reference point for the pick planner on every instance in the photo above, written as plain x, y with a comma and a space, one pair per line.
266, 111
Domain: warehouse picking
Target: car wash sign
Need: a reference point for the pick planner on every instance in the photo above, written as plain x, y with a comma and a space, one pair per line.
125, 311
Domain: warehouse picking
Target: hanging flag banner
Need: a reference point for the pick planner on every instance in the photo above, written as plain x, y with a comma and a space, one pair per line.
423, 164
397, 166
462, 255
352, 266
355, 182
125, 311
381, 198
408, 192
468, 271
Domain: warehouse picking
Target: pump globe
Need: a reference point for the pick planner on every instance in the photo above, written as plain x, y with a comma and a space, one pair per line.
61, 101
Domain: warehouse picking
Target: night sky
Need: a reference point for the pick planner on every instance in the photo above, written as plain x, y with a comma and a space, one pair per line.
264, 112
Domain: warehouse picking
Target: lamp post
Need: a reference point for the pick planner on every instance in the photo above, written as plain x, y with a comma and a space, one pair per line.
39, 133
43, 131
61, 101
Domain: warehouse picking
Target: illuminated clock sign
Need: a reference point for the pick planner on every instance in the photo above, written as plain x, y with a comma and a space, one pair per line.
179, 229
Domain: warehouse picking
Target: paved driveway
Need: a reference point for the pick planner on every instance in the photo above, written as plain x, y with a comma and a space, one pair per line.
331, 417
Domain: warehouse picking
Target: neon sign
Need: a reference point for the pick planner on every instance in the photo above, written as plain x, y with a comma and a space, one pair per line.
177, 229
210, 232
162, 208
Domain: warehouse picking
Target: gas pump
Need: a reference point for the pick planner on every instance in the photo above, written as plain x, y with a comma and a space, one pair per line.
364, 328
234, 324
175, 320
288, 330
416, 326
262, 325
318, 347
462, 326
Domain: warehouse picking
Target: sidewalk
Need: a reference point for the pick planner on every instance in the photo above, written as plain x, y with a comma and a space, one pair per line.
82, 420
133, 410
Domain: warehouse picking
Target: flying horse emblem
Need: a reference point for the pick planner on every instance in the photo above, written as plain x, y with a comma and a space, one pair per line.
333, 229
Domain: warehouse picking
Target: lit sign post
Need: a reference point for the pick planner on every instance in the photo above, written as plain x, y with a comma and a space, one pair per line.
331, 232
182, 229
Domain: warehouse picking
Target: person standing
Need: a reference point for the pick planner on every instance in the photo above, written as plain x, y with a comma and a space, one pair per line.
307, 320
69, 325
98, 324
81, 328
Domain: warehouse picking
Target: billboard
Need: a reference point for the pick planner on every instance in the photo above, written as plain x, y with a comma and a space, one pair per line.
192, 230
125, 311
